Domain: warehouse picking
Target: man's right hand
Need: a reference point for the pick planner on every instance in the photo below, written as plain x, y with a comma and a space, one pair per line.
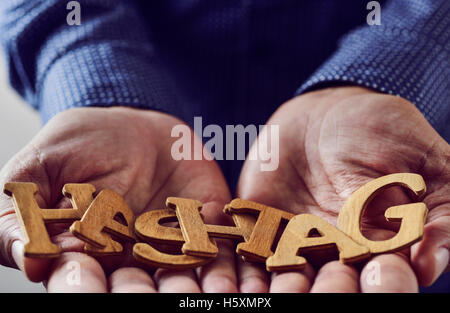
128, 151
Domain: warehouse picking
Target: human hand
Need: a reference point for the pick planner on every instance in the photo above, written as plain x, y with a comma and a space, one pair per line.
128, 151
332, 142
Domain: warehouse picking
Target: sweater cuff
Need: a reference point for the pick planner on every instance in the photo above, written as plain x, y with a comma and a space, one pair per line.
104, 74
392, 61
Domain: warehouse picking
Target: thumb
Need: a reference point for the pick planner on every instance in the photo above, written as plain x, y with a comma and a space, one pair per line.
430, 257
12, 244
23, 167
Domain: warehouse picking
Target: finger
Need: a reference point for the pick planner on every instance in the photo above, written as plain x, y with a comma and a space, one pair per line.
76, 272
219, 276
216, 277
12, 250
131, 280
253, 277
292, 282
388, 273
170, 281
430, 256
23, 167
336, 277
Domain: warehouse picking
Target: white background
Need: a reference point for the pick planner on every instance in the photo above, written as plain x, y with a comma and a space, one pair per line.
18, 124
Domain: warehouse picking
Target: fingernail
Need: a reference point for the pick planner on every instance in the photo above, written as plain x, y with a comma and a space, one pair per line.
442, 257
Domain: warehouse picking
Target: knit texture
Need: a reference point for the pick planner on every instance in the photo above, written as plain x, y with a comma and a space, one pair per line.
229, 61
407, 56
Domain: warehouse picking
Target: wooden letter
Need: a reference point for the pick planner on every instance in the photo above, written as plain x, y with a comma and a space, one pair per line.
147, 254
412, 215
148, 228
195, 234
80, 196
296, 237
32, 218
99, 220
258, 247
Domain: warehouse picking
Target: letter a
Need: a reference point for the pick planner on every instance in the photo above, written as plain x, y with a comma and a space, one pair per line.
74, 16
181, 148
99, 220
296, 237
374, 16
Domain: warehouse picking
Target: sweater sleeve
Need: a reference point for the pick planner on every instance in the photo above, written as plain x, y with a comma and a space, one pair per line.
108, 60
407, 55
